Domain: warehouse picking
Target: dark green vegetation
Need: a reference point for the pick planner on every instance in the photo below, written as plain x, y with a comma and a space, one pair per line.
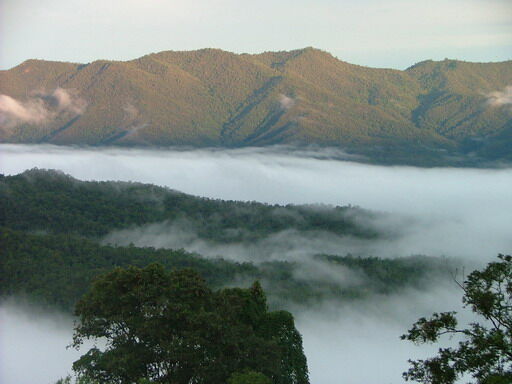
485, 353
57, 269
432, 113
169, 327
51, 227
53, 202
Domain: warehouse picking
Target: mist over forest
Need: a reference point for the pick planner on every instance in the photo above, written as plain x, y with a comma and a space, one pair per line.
439, 211
270, 192
460, 218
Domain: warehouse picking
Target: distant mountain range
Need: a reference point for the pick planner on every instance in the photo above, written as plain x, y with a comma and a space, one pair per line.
447, 112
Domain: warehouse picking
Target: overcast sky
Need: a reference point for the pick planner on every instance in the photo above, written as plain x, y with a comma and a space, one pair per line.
392, 33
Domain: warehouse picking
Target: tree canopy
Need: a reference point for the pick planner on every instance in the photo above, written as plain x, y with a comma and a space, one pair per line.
56, 270
485, 353
169, 327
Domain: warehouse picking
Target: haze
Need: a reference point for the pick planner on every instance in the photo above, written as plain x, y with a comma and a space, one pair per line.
464, 213
33, 344
394, 33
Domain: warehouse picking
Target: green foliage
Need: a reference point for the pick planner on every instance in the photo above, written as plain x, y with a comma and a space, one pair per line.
53, 202
50, 249
214, 98
65, 380
391, 275
248, 377
56, 270
486, 351
84, 380
171, 328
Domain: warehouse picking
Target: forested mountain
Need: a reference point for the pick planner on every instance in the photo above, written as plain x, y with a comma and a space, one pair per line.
427, 114
56, 270
53, 202
52, 226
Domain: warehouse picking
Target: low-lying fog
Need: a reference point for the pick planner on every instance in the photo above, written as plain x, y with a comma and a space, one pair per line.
465, 213
33, 344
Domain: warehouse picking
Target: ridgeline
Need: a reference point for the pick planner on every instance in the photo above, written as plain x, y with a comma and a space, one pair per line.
433, 113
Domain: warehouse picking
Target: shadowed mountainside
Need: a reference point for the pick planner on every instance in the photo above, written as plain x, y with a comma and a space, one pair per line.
430, 113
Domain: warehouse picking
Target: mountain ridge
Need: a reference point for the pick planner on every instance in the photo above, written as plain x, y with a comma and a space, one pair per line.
212, 97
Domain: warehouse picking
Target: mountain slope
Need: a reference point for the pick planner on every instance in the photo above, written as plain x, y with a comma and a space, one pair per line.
57, 236
211, 97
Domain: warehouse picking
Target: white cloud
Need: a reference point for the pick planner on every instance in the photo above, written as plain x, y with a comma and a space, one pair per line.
40, 108
68, 100
13, 112
131, 112
35, 335
286, 102
500, 98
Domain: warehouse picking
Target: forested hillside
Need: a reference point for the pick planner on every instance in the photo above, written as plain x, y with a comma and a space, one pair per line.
52, 226
56, 270
427, 114
51, 201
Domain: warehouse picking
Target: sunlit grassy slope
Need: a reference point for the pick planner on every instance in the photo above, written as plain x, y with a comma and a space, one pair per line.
211, 97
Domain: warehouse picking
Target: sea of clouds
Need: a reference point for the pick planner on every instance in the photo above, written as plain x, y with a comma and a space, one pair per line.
463, 213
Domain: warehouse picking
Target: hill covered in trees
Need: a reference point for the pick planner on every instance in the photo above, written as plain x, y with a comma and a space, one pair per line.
51, 201
448, 112
52, 228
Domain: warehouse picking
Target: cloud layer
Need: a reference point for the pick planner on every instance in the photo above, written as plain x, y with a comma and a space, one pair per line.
465, 213
33, 344
454, 212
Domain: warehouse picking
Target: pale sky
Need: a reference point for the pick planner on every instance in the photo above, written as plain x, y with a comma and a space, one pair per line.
392, 33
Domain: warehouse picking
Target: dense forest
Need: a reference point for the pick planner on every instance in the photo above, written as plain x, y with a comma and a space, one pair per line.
58, 269
52, 227
53, 202
434, 113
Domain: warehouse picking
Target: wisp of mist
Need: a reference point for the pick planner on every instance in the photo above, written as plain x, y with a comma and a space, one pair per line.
463, 213
33, 344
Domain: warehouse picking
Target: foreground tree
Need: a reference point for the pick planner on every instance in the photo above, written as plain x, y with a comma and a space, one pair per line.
169, 327
486, 350
248, 378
